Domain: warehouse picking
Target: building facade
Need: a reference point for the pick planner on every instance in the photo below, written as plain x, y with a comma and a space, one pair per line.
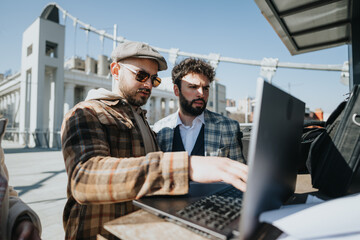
36, 99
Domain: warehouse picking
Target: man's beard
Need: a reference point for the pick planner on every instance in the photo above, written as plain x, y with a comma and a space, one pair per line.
187, 107
130, 97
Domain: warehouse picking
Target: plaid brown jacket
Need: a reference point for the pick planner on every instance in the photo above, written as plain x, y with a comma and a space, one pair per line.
107, 167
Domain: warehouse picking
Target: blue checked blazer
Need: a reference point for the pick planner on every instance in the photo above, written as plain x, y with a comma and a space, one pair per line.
222, 135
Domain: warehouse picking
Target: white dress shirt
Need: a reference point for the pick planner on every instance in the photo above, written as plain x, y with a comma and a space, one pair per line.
189, 134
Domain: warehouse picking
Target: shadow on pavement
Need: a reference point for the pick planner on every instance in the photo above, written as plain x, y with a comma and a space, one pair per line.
27, 150
24, 189
48, 200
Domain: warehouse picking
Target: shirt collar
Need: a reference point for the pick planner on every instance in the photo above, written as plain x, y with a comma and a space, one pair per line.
200, 118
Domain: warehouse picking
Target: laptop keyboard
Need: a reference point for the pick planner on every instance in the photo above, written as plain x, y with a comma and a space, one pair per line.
215, 211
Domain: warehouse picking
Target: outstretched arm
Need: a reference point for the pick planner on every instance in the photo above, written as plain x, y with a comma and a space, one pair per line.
216, 169
95, 149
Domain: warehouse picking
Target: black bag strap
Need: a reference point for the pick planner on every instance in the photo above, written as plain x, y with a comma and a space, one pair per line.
309, 123
333, 158
335, 113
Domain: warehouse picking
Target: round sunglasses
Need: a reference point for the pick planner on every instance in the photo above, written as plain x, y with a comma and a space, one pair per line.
142, 76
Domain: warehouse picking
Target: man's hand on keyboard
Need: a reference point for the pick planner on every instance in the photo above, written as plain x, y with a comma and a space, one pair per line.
217, 169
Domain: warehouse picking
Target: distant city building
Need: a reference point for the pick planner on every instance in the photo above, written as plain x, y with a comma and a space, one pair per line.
219, 95
246, 106
318, 114
230, 103
243, 112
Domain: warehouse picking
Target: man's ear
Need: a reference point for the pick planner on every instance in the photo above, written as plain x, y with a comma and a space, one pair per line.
114, 67
176, 90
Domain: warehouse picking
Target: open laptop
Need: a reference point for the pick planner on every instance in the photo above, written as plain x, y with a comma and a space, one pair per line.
219, 211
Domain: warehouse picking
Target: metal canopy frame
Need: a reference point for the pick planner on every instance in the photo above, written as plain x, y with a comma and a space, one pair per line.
306, 26
311, 25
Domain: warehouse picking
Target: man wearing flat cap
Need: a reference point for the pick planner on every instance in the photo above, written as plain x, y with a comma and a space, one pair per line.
111, 154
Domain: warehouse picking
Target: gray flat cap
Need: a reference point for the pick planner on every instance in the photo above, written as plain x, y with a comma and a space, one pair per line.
138, 50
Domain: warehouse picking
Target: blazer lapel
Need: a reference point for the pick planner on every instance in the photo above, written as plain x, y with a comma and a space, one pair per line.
169, 139
212, 134
166, 134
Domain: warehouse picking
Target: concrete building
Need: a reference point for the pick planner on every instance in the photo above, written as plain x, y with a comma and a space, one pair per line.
36, 99
230, 103
217, 98
246, 107
42, 82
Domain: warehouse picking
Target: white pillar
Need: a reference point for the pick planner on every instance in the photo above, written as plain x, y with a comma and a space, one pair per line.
9, 108
3, 104
86, 91
6, 103
344, 78
167, 107
52, 128
17, 106
173, 55
176, 104
149, 107
268, 68
17, 115
69, 96
157, 109
13, 98
25, 106
13, 109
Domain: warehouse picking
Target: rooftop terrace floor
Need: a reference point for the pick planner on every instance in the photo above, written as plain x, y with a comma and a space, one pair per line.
39, 177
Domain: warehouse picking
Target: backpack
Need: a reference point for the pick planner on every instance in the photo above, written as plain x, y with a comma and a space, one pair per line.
312, 129
334, 155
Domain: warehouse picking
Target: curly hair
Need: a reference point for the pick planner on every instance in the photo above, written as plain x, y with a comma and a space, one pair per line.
192, 65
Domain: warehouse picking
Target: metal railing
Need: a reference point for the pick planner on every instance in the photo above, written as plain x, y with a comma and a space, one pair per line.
215, 58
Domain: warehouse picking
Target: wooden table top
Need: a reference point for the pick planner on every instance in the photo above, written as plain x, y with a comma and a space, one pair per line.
141, 225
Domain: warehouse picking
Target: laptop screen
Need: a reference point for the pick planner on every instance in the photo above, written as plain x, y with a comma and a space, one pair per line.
273, 151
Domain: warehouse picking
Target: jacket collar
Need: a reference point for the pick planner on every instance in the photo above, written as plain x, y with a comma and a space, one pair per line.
123, 102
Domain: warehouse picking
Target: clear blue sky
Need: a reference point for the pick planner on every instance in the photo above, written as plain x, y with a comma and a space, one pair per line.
232, 28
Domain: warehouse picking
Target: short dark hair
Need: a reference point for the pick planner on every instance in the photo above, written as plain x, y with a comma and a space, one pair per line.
192, 65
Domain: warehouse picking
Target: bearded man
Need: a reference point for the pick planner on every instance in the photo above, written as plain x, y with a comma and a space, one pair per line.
193, 128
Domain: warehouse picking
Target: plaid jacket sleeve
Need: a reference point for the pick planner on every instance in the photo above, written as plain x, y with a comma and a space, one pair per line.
102, 152
235, 148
